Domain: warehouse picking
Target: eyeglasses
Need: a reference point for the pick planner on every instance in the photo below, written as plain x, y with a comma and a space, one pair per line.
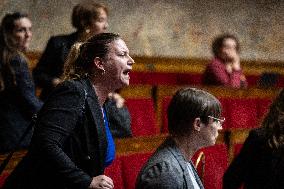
219, 120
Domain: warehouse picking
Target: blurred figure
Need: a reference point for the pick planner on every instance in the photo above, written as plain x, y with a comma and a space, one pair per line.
260, 163
72, 143
17, 93
119, 116
194, 122
89, 18
225, 68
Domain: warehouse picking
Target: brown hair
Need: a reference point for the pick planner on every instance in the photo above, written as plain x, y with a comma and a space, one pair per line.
274, 123
218, 43
8, 51
81, 55
188, 104
84, 13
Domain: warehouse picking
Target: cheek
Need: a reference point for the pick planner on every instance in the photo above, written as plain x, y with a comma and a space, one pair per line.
97, 27
19, 38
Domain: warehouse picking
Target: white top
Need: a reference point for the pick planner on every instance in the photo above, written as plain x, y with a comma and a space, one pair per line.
192, 176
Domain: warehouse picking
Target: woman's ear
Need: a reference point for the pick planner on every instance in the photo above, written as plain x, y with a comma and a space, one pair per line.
197, 124
98, 63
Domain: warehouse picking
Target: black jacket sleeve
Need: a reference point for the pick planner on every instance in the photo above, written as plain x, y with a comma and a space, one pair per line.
25, 89
50, 65
240, 166
57, 120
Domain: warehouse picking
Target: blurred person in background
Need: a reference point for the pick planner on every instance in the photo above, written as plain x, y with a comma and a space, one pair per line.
225, 69
18, 101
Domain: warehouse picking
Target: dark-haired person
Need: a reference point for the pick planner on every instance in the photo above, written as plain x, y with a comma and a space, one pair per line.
225, 69
260, 163
194, 122
72, 143
89, 18
17, 93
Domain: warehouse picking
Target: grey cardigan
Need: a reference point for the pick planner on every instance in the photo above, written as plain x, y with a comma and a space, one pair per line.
166, 168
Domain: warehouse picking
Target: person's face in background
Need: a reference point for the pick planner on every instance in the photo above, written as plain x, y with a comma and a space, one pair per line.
228, 51
22, 33
118, 64
99, 25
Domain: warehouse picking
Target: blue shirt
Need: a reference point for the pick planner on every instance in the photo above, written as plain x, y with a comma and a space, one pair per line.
110, 153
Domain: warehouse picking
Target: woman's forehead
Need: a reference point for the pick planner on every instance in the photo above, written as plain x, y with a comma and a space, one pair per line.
119, 45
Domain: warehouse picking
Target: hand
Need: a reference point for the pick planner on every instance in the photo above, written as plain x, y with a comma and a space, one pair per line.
56, 81
236, 65
119, 101
229, 68
101, 182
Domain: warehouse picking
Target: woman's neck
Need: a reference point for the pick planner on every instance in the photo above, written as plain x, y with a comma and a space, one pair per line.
188, 145
102, 93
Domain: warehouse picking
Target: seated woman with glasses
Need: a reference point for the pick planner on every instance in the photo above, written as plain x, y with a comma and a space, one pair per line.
260, 163
194, 122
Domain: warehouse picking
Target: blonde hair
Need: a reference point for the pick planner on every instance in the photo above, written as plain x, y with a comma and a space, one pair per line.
80, 58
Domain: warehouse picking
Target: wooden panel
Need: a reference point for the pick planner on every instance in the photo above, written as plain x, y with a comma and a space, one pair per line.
136, 91
124, 146
184, 65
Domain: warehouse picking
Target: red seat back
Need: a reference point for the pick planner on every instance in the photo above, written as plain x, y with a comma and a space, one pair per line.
237, 148
143, 121
3, 177
241, 113
153, 78
131, 165
216, 162
263, 106
115, 173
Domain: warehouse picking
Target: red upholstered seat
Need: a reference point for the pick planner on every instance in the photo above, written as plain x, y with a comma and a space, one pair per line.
241, 113
252, 80
189, 78
153, 78
237, 148
143, 121
115, 173
224, 114
280, 82
131, 165
216, 162
263, 106
3, 177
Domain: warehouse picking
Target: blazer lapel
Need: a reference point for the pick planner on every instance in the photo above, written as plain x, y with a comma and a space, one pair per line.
183, 164
97, 118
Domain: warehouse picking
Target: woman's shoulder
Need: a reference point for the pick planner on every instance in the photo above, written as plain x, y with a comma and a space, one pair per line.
158, 170
19, 60
59, 39
258, 132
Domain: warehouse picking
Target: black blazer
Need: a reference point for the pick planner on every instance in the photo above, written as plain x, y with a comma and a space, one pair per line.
69, 143
51, 63
256, 166
17, 105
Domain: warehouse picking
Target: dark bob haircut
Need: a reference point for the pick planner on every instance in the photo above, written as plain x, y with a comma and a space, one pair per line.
188, 104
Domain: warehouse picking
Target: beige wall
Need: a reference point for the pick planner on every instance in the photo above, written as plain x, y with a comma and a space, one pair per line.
171, 28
